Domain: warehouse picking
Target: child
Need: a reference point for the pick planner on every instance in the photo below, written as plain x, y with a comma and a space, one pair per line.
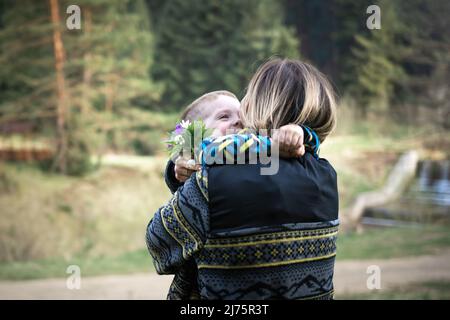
220, 111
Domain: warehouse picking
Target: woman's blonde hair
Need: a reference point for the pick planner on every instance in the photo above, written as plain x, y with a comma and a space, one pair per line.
284, 91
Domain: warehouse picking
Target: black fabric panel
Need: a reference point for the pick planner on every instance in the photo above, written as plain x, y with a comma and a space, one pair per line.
303, 190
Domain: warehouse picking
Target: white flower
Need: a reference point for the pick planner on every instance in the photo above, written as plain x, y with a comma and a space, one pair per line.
185, 124
179, 139
191, 163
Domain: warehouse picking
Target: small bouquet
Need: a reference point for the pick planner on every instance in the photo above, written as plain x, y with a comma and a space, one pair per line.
186, 139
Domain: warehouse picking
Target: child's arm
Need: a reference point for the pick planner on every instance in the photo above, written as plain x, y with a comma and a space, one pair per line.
178, 172
170, 177
183, 169
290, 141
293, 140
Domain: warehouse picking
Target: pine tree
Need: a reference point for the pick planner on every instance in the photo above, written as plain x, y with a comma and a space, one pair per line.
27, 59
374, 62
61, 104
426, 62
327, 29
104, 68
112, 54
211, 45
313, 22
349, 23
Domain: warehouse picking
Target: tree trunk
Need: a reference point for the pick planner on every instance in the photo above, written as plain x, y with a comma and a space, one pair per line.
61, 160
87, 72
111, 92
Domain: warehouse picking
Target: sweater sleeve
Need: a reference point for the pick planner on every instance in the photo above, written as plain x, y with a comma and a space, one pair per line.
169, 177
178, 229
311, 141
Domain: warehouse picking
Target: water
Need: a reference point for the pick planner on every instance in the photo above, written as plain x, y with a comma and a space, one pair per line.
426, 200
433, 182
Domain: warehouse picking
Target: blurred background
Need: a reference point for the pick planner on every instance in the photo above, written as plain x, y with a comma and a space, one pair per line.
83, 114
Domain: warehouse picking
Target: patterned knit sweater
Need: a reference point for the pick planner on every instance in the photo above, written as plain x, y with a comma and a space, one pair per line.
247, 235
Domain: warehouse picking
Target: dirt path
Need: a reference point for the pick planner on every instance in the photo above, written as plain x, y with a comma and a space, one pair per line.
350, 277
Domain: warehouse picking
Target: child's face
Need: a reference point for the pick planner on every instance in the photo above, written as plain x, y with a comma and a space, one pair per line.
222, 115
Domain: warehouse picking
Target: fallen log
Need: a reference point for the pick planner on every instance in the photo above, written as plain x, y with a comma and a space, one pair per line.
398, 179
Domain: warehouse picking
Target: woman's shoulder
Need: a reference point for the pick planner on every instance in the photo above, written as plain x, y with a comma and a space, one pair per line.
324, 163
316, 167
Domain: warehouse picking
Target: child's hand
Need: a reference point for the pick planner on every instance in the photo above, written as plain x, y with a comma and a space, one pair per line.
184, 168
290, 141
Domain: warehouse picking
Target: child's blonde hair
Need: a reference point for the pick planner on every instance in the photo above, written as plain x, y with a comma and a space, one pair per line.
284, 91
193, 111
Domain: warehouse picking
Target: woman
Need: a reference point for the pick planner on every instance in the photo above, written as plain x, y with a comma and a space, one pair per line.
254, 236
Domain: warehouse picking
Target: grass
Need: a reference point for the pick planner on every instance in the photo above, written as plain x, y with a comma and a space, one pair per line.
130, 262
392, 243
364, 152
46, 216
372, 244
433, 290
129, 161
362, 161
48, 221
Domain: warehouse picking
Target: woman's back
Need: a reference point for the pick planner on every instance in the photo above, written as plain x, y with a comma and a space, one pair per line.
270, 236
303, 190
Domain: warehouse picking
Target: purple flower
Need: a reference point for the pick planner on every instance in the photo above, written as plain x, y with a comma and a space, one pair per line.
178, 129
